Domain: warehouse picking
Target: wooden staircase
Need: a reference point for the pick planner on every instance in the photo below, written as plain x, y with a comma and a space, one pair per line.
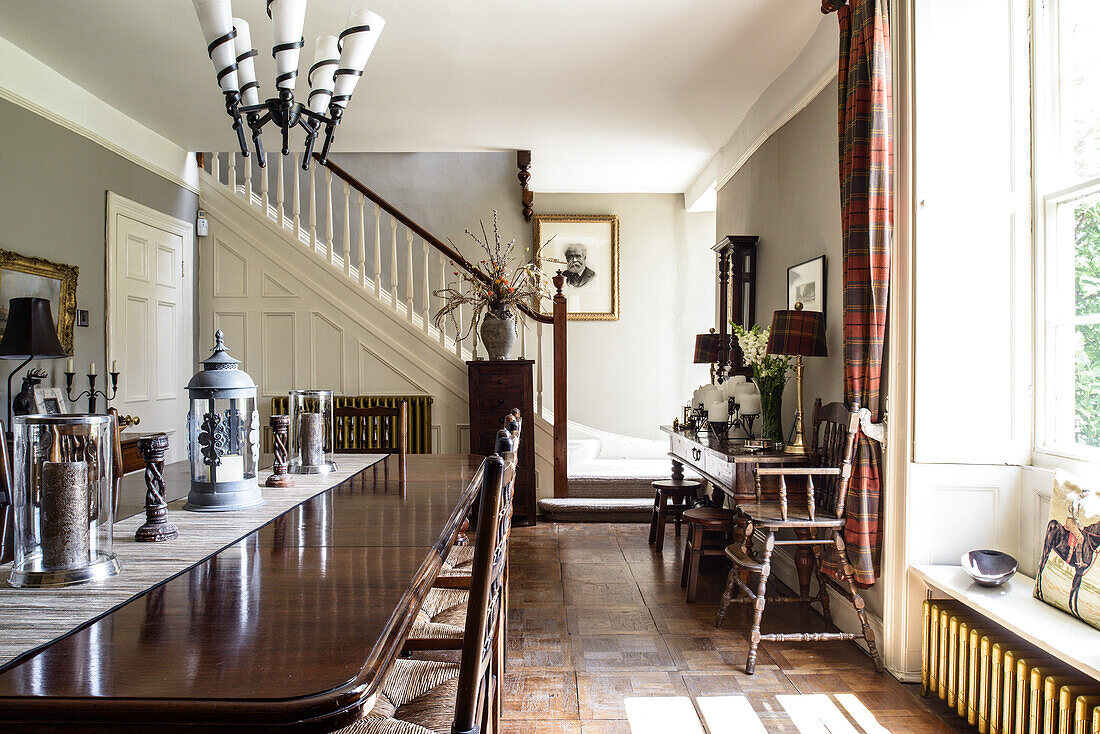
393, 261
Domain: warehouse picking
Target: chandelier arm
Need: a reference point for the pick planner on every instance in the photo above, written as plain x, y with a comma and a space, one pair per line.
232, 107
257, 122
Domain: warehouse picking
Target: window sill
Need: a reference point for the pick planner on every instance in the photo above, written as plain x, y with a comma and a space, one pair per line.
1053, 460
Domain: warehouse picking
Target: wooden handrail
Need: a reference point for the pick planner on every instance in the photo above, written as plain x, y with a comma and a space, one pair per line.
449, 252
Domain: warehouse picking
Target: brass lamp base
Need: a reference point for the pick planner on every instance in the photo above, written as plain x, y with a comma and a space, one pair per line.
797, 445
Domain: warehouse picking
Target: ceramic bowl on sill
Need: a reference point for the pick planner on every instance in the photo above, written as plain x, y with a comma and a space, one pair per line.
989, 567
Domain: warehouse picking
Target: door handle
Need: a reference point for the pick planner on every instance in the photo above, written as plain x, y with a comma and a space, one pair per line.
125, 421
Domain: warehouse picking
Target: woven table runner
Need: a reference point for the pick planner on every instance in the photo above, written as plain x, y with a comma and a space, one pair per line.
32, 618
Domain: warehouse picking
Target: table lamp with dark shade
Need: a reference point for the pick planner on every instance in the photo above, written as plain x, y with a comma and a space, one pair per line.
29, 334
800, 334
708, 350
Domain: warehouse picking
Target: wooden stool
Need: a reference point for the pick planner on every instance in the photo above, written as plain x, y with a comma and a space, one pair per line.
681, 491
708, 530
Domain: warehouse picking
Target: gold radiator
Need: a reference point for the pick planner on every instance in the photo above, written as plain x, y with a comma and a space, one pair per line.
999, 683
420, 415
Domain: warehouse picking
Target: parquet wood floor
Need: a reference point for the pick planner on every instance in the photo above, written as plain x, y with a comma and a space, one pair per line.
601, 641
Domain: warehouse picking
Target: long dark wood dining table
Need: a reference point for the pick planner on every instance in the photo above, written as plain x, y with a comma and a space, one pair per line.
292, 627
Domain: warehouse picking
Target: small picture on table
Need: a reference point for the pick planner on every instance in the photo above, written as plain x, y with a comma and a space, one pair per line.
806, 285
49, 401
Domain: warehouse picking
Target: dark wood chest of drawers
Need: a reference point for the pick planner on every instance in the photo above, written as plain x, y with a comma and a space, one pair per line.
496, 387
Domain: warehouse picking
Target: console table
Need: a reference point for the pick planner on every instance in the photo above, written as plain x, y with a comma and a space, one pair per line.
291, 627
731, 470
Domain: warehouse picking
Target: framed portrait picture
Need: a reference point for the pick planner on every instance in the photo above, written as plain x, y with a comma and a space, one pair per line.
23, 276
50, 401
806, 285
586, 248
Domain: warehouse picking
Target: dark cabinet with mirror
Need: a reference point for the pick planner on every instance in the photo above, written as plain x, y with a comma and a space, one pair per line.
736, 297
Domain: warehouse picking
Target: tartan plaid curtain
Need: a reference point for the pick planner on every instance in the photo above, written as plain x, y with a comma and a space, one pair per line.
867, 220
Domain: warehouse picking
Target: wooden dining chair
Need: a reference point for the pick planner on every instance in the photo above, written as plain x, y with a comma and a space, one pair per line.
439, 624
116, 458
820, 522
464, 698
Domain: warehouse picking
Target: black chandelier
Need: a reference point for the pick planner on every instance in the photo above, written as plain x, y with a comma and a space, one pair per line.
337, 65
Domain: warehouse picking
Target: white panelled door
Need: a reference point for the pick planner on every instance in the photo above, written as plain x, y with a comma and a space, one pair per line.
149, 317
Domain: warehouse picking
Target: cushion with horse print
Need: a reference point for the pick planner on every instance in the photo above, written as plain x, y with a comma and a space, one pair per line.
1068, 578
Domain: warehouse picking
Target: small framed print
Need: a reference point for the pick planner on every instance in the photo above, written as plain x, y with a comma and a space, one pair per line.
806, 285
588, 248
50, 401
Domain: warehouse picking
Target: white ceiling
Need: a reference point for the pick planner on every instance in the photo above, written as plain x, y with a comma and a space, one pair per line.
610, 95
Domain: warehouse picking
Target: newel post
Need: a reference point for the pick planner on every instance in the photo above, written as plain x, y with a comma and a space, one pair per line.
561, 391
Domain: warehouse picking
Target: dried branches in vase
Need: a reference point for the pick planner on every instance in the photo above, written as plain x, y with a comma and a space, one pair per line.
493, 292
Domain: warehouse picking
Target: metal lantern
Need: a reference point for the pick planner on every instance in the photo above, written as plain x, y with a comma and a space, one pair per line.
223, 435
64, 508
311, 432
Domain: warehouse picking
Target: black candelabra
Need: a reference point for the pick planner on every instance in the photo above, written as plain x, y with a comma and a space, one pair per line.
91, 393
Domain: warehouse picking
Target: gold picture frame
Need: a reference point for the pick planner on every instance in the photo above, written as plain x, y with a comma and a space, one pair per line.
590, 296
62, 295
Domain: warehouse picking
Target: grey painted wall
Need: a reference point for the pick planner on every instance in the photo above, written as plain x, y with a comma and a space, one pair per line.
630, 376
788, 193
448, 193
53, 204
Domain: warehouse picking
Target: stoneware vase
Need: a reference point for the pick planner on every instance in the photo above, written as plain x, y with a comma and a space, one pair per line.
771, 409
498, 333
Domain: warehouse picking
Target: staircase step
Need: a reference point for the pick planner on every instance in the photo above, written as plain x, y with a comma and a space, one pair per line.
590, 509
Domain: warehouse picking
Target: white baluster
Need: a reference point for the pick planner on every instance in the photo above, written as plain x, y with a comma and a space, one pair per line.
378, 252
427, 289
313, 209
280, 191
347, 230
232, 173
248, 180
538, 366
215, 169
409, 273
296, 207
442, 285
265, 177
328, 217
362, 244
393, 262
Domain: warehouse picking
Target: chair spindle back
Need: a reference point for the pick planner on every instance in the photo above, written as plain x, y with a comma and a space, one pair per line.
835, 436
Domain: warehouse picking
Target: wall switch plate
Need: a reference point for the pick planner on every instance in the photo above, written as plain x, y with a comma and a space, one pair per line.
81, 317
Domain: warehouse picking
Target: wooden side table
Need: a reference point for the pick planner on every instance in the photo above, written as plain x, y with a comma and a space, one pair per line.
731, 470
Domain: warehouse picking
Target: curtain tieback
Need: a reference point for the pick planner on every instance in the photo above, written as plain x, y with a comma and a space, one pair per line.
873, 431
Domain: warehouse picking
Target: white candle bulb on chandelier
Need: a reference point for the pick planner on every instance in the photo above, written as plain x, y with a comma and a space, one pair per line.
216, 19
288, 17
321, 76
246, 67
356, 44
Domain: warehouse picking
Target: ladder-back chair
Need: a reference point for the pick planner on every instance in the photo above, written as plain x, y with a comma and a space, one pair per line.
463, 698
820, 522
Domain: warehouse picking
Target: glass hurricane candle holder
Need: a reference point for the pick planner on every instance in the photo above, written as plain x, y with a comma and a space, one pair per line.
311, 432
64, 505
223, 428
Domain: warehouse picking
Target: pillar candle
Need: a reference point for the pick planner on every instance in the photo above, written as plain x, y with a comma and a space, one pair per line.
66, 536
230, 470
311, 439
730, 386
718, 411
750, 404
